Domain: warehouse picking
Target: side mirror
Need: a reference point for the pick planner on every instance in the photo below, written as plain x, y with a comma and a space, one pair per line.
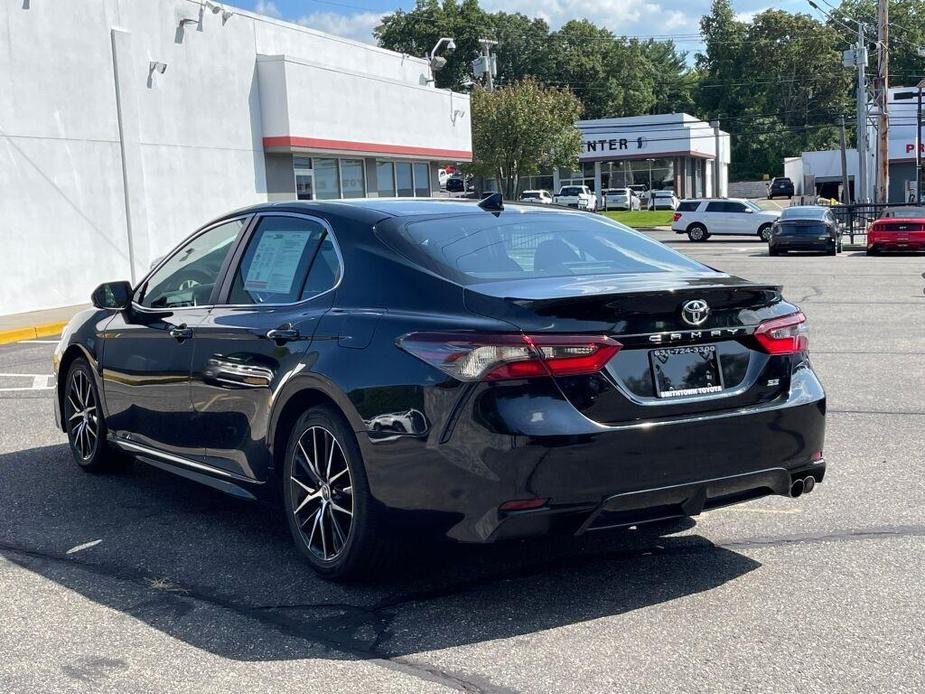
114, 296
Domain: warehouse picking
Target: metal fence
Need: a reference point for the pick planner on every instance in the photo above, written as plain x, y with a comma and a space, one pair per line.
856, 217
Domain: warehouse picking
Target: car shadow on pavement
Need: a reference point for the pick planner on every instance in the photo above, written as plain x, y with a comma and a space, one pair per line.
223, 576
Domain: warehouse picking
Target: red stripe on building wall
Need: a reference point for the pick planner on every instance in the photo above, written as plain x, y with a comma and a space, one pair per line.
348, 146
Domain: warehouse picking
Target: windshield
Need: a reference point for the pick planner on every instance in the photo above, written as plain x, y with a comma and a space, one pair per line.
803, 213
752, 205
518, 244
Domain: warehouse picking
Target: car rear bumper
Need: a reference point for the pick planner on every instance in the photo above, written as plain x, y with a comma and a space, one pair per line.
891, 245
501, 450
802, 245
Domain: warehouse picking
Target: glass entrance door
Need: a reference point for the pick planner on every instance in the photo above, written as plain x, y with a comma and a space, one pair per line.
304, 178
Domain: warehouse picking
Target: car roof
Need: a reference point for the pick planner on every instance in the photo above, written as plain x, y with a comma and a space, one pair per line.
371, 210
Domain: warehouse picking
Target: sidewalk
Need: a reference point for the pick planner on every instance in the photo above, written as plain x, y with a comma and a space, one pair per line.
34, 324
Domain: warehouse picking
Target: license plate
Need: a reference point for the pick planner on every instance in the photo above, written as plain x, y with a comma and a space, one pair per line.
685, 371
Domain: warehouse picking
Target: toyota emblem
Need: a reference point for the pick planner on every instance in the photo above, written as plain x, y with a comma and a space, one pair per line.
695, 311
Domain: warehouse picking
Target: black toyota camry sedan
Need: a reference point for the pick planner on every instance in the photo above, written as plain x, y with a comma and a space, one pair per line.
389, 368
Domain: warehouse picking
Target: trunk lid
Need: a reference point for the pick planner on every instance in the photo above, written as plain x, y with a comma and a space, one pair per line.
622, 304
644, 313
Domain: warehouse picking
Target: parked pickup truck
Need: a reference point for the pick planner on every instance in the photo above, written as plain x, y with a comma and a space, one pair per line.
579, 197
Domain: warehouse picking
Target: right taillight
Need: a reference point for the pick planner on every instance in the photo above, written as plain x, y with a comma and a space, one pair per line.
785, 335
676, 216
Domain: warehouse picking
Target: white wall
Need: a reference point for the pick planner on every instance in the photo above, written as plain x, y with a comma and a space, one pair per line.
192, 137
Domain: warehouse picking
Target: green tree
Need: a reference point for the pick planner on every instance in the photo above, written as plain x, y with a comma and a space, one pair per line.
520, 128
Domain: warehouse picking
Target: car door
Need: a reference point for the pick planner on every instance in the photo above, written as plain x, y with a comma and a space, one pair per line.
148, 348
716, 217
740, 218
278, 287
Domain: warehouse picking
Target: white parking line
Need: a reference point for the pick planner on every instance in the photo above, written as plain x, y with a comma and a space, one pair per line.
85, 545
39, 382
39, 342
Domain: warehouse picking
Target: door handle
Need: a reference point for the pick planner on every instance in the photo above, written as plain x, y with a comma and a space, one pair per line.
283, 334
181, 332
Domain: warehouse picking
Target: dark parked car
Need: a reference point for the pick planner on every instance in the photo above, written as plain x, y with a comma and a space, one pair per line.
457, 184
805, 228
386, 368
780, 186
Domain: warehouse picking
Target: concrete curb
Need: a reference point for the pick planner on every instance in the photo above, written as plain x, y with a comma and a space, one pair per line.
32, 332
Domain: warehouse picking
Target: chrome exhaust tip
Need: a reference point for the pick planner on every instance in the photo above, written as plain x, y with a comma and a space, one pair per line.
808, 484
796, 489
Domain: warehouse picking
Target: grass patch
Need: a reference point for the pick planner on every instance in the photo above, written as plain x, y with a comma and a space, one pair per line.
643, 218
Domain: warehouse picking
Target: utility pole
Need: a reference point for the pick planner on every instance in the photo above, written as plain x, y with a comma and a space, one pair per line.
485, 65
846, 191
716, 163
860, 60
883, 97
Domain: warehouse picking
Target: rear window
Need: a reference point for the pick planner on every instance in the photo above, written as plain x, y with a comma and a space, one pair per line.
688, 205
804, 213
572, 190
521, 245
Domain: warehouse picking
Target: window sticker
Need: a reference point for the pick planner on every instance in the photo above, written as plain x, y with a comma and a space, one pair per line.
276, 260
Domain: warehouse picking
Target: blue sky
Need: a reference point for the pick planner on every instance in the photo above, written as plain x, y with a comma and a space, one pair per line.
679, 18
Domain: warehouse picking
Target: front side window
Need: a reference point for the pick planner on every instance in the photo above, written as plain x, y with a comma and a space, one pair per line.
278, 258
188, 277
717, 207
515, 245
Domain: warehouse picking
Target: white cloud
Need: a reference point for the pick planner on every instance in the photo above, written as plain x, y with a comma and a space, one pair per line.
623, 17
358, 26
268, 8
747, 17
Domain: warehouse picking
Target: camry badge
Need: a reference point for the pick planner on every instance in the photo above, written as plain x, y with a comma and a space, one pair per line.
695, 311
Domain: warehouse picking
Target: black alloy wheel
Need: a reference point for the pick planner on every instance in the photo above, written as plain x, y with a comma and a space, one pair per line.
327, 499
84, 421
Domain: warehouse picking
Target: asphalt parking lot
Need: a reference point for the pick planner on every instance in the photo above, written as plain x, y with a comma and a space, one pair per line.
141, 581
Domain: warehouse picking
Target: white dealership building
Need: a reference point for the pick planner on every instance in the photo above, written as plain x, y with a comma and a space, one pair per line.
821, 173
126, 124
671, 151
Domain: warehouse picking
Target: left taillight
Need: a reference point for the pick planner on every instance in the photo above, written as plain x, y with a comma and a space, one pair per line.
489, 357
785, 335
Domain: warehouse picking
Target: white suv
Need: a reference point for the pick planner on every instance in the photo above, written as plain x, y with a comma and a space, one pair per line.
701, 219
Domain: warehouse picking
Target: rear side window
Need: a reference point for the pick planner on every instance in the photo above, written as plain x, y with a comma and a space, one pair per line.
688, 205
287, 259
515, 244
717, 207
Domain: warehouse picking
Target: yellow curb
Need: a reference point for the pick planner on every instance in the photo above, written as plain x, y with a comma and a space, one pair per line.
32, 332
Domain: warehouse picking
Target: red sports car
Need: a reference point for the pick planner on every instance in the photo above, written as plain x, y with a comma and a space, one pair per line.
897, 233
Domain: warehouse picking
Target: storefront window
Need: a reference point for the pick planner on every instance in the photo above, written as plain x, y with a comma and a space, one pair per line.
403, 178
352, 178
385, 179
421, 180
326, 183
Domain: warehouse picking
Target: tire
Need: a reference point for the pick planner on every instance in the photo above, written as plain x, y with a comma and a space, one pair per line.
773, 252
873, 251
697, 233
84, 423
832, 251
764, 232
335, 525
